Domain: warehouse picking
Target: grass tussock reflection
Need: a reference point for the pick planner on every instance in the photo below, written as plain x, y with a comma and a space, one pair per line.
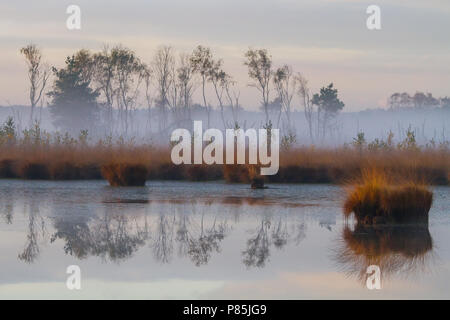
397, 249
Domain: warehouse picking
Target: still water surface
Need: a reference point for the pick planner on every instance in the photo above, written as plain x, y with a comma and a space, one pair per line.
182, 240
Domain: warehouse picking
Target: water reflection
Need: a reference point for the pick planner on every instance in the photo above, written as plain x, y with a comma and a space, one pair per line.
399, 250
197, 230
115, 230
37, 233
7, 207
111, 237
200, 248
76, 235
257, 251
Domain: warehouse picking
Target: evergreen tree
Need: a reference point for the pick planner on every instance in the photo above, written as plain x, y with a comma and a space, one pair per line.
74, 104
328, 106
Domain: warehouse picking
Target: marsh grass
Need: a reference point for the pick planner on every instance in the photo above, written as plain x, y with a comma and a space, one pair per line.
124, 174
236, 173
34, 170
380, 198
7, 169
75, 160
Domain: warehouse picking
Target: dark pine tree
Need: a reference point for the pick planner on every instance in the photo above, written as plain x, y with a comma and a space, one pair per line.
74, 104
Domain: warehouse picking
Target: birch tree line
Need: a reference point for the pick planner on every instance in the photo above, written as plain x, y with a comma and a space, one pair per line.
164, 87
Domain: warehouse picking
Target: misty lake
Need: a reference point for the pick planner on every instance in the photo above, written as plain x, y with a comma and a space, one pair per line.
185, 240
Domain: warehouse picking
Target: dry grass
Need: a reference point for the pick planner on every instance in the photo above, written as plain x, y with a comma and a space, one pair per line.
299, 165
236, 173
379, 198
339, 165
125, 174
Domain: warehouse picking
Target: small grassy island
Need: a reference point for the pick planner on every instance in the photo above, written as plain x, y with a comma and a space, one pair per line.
379, 200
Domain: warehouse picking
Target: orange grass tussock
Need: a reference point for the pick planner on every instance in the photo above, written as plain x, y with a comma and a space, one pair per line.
125, 174
379, 198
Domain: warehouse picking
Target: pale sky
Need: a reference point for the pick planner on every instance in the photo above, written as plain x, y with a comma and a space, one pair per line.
327, 40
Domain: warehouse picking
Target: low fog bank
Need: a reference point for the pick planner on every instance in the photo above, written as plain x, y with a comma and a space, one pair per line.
145, 126
115, 95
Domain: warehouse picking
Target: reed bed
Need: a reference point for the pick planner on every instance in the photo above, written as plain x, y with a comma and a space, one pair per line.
297, 165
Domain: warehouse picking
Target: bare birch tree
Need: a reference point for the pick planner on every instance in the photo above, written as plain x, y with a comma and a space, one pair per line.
220, 80
202, 62
147, 74
304, 94
38, 74
130, 73
233, 95
259, 64
163, 64
186, 84
105, 79
285, 85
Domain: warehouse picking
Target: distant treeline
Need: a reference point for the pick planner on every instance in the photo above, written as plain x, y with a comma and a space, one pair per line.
103, 91
419, 100
97, 83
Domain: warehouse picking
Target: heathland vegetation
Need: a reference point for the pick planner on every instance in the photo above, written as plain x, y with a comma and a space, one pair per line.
380, 199
114, 92
37, 154
95, 97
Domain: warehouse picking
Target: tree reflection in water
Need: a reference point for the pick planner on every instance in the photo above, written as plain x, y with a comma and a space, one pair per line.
115, 238
200, 249
7, 207
76, 235
116, 232
163, 244
36, 231
399, 250
111, 236
257, 252
280, 234
31, 249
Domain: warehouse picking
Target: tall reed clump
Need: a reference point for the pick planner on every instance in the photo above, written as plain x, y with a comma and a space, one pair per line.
124, 174
244, 173
257, 180
377, 199
235, 173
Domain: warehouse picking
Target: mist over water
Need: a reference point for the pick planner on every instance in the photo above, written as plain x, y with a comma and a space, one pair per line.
427, 124
209, 240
